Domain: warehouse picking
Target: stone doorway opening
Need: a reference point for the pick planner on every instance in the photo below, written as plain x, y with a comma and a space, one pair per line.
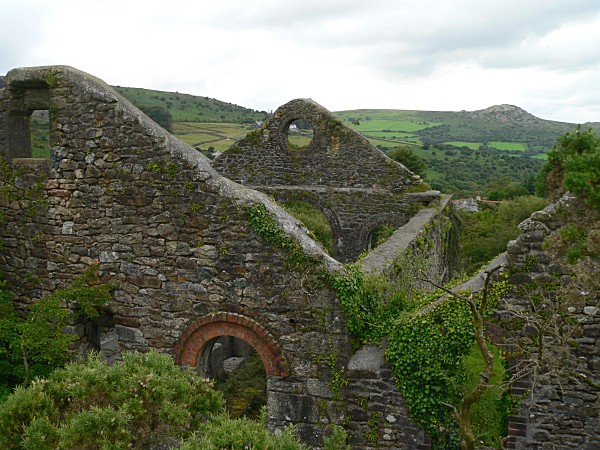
238, 372
196, 347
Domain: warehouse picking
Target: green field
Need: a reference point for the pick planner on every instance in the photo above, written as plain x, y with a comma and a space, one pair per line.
543, 156
202, 136
512, 146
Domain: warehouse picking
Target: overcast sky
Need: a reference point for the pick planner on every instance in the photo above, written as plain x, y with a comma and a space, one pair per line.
541, 55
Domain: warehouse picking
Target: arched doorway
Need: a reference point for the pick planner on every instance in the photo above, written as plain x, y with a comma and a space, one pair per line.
219, 345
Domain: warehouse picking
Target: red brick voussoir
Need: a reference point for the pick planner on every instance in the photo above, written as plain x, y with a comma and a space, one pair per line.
202, 330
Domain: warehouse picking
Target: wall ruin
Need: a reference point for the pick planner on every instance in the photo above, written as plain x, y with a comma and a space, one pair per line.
175, 237
340, 172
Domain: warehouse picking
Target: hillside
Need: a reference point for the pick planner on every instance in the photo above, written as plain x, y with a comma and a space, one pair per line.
504, 127
466, 152
190, 108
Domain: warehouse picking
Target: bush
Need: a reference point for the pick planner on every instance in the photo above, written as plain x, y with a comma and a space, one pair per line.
573, 164
223, 432
38, 344
405, 156
144, 399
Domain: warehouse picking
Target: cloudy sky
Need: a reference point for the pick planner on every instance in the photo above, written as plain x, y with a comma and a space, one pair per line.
541, 55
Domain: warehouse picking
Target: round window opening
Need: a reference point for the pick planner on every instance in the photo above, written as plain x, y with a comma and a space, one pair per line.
299, 134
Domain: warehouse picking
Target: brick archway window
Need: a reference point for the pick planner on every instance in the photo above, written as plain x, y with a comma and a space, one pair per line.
196, 336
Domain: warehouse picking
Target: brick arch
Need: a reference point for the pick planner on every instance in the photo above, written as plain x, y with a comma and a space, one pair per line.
201, 331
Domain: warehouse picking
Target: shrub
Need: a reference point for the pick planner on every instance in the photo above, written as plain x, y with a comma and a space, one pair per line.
38, 344
91, 404
223, 432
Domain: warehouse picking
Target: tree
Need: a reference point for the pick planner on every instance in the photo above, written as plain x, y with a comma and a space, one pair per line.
160, 115
573, 164
405, 156
37, 344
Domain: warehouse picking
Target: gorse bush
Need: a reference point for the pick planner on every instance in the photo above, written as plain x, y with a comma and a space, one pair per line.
93, 405
36, 345
143, 400
223, 432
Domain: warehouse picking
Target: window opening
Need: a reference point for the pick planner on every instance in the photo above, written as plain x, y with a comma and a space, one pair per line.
28, 123
379, 235
40, 133
299, 134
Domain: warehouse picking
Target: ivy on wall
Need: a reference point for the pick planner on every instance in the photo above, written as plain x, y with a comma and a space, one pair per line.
426, 350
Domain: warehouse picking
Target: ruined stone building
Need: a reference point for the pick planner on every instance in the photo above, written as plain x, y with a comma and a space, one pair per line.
177, 236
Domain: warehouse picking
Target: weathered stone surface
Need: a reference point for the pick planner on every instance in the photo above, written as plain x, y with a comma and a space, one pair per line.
116, 192
562, 414
354, 184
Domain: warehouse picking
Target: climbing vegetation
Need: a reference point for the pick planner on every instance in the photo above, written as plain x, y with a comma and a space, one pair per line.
428, 341
36, 344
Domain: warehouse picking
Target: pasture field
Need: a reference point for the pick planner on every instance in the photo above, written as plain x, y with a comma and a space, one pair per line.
397, 126
219, 136
512, 146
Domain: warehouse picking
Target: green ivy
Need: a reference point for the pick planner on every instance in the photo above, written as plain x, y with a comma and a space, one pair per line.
426, 349
267, 227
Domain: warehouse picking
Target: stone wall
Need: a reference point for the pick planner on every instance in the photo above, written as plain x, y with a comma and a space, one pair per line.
169, 230
560, 412
174, 235
557, 409
378, 413
353, 183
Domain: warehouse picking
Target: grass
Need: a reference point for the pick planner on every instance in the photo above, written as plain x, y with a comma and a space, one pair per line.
298, 141
514, 146
489, 414
392, 125
314, 220
40, 134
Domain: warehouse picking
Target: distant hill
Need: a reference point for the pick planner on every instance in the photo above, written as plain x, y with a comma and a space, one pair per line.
190, 108
497, 125
466, 152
